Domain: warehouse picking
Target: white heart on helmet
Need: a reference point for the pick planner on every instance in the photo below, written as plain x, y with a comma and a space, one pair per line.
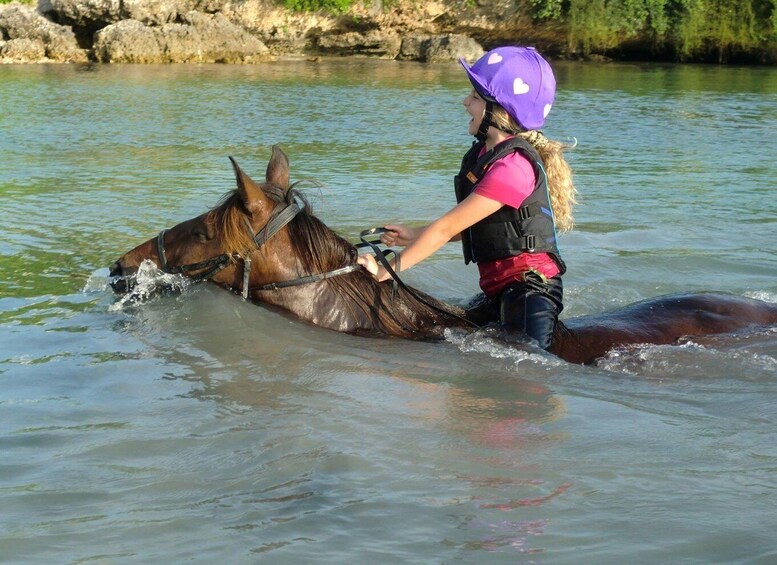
520, 87
494, 58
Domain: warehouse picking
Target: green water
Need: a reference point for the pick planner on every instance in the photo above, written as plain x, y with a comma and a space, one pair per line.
199, 428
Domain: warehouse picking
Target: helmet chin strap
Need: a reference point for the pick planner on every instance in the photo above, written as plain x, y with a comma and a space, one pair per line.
485, 123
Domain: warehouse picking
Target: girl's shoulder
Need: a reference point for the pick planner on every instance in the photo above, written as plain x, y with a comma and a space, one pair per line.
513, 160
509, 180
512, 165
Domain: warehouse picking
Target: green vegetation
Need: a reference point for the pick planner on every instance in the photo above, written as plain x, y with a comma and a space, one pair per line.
19, 1
684, 30
707, 30
334, 6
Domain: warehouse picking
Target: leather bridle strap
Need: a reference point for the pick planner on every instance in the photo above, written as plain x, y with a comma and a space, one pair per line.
308, 279
273, 226
276, 223
211, 266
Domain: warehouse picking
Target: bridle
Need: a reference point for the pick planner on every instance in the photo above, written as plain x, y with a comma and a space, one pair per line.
211, 266
277, 221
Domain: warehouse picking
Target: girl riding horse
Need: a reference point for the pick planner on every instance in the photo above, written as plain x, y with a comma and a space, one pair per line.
514, 191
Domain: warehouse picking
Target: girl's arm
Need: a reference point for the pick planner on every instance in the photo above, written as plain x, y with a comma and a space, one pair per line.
404, 235
470, 211
400, 235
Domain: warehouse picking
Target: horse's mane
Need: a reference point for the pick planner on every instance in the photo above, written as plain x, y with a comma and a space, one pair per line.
317, 247
320, 249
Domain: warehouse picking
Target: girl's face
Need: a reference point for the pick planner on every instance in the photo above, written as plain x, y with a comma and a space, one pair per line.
476, 107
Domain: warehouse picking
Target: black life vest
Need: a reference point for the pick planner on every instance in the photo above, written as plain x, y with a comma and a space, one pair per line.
508, 231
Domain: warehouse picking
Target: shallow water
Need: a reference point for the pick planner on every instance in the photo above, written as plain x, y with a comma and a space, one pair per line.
196, 427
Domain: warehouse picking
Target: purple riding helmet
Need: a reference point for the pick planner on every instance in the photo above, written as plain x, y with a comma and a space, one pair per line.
519, 80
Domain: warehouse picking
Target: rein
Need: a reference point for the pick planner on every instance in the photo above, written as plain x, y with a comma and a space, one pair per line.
380, 255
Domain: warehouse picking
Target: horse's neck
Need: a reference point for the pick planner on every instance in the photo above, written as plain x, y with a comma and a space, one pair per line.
375, 311
317, 304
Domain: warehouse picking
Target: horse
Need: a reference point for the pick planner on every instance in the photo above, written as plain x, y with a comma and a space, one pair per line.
263, 242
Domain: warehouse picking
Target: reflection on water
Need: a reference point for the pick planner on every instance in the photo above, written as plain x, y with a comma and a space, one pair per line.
197, 427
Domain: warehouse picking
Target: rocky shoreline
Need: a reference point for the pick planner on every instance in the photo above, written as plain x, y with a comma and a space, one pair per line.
250, 31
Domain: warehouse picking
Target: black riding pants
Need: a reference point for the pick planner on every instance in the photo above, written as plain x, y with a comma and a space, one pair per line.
532, 306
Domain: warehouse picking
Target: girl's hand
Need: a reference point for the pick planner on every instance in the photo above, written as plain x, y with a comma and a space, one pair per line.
399, 235
369, 263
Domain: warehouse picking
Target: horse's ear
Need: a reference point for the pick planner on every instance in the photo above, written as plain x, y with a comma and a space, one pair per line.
252, 194
278, 168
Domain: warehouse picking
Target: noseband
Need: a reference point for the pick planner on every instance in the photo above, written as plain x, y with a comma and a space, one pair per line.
212, 266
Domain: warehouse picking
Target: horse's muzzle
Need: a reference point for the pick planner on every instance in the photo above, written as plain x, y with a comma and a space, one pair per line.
119, 279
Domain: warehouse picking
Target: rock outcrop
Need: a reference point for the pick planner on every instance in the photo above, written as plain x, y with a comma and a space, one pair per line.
27, 36
229, 31
198, 38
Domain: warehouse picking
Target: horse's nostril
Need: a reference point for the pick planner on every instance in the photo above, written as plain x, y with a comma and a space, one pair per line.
119, 286
116, 270
118, 281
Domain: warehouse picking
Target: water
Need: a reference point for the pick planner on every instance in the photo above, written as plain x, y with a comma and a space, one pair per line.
198, 428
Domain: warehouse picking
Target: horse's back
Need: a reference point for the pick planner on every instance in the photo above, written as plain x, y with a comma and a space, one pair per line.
704, 309
661, 320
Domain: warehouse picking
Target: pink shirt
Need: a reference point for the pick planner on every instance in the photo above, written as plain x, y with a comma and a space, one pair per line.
509, 181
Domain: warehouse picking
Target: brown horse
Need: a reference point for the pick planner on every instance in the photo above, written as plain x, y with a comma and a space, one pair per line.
263, 242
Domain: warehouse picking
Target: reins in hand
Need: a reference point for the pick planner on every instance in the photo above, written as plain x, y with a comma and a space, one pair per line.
380, 255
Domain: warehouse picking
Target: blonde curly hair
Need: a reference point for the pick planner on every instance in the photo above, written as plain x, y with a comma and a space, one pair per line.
561, 189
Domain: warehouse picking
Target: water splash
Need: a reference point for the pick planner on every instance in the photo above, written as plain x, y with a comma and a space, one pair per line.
148, 282
728, 356
763, 295
98, 281
500, 344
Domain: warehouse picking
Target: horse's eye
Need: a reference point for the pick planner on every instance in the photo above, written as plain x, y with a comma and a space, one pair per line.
201, 235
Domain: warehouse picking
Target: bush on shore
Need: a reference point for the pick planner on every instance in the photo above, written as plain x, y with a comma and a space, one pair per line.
699, 30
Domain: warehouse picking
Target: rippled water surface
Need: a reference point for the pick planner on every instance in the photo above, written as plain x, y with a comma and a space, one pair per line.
198, 428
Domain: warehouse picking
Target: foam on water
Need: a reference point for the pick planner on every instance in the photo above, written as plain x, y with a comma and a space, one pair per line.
98, 281
763, 295
501, 345
148, 282
723, 356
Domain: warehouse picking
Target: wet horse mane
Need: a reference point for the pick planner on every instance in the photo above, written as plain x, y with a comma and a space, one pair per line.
320, 249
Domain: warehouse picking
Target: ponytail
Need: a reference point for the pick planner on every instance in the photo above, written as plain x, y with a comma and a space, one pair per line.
561, 189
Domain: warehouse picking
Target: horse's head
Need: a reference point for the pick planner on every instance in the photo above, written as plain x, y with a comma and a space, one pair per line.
262, 242
213, 246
